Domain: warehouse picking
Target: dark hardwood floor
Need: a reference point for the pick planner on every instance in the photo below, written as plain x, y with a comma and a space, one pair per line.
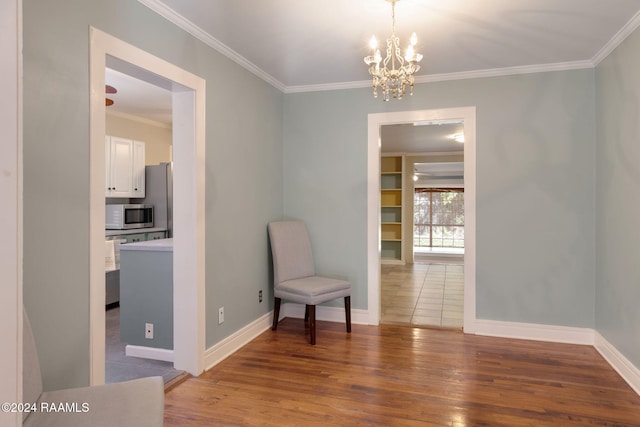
403, 376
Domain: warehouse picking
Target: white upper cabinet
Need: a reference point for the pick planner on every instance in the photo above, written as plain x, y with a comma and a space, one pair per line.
124, 167
138, 169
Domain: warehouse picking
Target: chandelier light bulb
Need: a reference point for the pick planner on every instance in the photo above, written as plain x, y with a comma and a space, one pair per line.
414, 39
410, 53
373, 43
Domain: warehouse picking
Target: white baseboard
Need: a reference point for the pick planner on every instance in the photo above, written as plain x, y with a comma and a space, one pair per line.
234, 342
330, 314
621, 364
567, 335
149, 352
535, 332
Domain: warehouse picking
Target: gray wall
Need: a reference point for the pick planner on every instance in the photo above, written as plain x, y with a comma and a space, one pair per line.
243, 172
535, 187
618, 200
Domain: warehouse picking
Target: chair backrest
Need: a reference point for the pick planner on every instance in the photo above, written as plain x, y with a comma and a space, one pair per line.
291, 251
31, 376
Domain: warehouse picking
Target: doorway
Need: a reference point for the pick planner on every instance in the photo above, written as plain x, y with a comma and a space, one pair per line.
422, 164
188, 98
375, 124
138, 115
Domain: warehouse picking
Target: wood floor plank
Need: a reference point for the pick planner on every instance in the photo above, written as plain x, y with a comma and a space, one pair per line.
403, 376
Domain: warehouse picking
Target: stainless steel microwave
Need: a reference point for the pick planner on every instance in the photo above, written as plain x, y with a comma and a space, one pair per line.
125, 217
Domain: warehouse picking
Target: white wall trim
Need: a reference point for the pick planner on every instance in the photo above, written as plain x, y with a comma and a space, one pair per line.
189, 182
617, 39
225, 348
149, 352
326, 313
11, 194
463, 75
534, 332
375, 121
621, 364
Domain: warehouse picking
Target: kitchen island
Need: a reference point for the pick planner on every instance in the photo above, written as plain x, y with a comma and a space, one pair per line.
146, 298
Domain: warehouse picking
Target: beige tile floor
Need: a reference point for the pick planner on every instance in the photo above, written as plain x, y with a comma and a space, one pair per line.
423, 294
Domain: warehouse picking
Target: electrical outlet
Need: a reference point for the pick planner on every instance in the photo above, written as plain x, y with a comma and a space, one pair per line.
148, 331
260, 296
220, 315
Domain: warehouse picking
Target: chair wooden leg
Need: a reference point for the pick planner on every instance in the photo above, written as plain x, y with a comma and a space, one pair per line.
306, 316
276, 313
347, 312
312, 323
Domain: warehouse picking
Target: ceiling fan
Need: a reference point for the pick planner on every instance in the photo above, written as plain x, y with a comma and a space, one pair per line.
109, 89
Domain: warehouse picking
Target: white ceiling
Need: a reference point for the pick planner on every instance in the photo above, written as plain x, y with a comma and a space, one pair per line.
138, 98
302, 45
310, 42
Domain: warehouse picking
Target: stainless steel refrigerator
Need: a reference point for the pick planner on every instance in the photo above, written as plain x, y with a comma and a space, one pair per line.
159, 193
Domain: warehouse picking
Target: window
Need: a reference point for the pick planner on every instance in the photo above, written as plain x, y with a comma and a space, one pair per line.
438, 218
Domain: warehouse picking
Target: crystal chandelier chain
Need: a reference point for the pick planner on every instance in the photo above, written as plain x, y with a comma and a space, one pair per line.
393, 81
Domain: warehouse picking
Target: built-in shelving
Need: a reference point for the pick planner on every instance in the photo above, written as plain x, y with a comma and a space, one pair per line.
391, 178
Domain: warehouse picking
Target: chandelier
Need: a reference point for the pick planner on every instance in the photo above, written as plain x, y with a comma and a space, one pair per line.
393, 81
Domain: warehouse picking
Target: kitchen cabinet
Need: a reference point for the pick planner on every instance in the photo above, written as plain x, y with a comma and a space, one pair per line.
140, 234
138, 169
146, 293
134, 238
123, 237
124, 167
156, 235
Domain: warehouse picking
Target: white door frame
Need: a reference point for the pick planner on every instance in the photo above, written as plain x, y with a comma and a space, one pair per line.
189, 183
468, 115
11, 210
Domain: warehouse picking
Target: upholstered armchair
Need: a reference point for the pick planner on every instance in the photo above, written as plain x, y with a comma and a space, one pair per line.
132, 403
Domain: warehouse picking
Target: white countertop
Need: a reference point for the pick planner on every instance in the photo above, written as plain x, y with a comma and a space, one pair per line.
108, 233
160, 245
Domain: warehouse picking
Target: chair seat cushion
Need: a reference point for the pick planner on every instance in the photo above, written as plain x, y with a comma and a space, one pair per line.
138, 403
312, 290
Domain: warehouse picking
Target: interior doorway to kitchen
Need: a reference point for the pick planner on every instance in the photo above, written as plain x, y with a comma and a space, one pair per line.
188, 95
138, 122
378, 231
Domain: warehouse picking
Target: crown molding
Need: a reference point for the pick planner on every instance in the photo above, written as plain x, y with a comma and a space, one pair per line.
506, 71
177, 19
616, 40
197, 32
493, 72
328, 86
